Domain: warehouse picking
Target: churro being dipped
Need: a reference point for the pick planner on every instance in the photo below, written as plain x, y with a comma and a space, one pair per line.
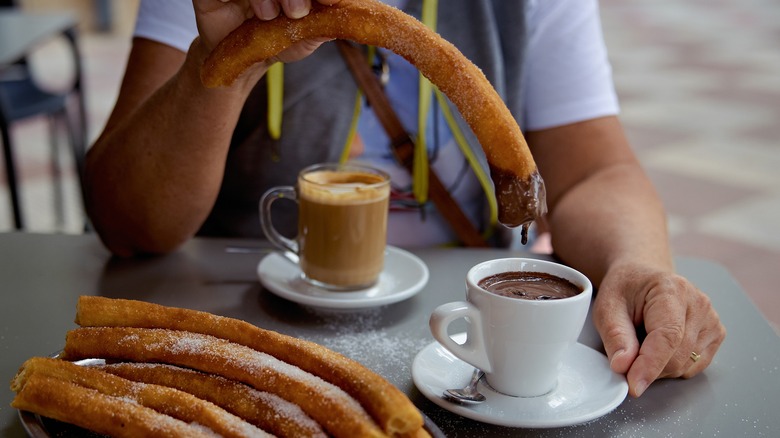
519, 188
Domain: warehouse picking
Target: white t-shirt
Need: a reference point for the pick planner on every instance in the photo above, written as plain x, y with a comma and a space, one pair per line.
568, 75
568, 79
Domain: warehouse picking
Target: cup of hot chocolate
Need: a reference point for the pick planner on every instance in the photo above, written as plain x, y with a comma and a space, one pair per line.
342, 224
523, 314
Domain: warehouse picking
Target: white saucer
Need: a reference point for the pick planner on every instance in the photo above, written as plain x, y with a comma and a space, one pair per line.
587, 389
403, 276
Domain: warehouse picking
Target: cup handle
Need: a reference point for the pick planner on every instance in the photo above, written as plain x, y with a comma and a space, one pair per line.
473, 351
282, 192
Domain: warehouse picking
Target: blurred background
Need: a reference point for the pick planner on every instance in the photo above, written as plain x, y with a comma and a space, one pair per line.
699, 82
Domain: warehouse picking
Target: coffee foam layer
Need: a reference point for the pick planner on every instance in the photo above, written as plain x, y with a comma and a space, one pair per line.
343, 187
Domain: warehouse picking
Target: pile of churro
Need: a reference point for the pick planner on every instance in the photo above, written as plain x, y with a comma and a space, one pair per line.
177, 372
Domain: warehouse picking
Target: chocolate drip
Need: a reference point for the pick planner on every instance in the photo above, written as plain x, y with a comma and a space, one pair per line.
520, 201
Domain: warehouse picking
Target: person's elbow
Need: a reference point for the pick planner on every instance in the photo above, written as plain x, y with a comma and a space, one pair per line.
127, 237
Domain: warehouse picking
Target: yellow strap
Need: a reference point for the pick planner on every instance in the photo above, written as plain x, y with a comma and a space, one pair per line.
275, 83
483, 178
429, 11
420, 172
420, 166
355, 115
352, 128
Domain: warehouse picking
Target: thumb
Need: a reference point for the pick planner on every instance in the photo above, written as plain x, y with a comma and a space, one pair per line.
618, 335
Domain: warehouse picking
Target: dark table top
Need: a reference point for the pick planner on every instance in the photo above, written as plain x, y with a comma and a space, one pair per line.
42, 276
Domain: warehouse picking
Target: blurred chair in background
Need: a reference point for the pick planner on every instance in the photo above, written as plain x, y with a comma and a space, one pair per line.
21, 97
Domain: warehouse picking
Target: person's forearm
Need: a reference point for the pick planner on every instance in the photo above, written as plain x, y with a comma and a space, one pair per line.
152, 177
614, 217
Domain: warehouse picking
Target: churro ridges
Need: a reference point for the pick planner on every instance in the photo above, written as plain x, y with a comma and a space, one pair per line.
111, 405
387, 405
266, 411
339, 414
226, 387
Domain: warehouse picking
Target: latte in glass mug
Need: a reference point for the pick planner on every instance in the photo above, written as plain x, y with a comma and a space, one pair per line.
342, 224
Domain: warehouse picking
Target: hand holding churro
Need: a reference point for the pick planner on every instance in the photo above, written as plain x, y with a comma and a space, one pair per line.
518, 186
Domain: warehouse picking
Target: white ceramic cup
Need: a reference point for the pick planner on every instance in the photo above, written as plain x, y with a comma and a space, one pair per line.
518, 343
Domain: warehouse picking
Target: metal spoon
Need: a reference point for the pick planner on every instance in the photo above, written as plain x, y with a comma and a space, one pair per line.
469, 394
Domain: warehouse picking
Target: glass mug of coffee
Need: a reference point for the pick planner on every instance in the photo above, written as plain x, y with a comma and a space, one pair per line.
342, 224
523, 314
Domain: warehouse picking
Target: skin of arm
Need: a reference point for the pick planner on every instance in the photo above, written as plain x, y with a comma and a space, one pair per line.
153, 175
607, 220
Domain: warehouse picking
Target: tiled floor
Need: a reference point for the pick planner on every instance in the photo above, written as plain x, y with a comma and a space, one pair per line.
699, 82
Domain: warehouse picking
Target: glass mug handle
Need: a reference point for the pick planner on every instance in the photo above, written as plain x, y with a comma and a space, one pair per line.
282, 192
474, 350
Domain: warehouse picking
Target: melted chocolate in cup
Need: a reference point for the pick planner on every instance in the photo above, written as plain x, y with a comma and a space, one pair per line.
529, 286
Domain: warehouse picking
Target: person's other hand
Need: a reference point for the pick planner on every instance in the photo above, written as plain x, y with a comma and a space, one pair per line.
217, 18
678, 319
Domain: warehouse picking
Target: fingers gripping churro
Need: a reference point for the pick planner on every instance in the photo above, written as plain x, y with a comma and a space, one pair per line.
519, 188
389, 407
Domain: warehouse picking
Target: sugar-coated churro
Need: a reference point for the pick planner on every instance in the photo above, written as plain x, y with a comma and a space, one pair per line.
338, 413
389, 407
265, 410
519, 188
65, 401
165, 400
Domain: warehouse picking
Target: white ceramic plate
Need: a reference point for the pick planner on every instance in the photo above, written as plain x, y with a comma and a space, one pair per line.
403, 276
587, 389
